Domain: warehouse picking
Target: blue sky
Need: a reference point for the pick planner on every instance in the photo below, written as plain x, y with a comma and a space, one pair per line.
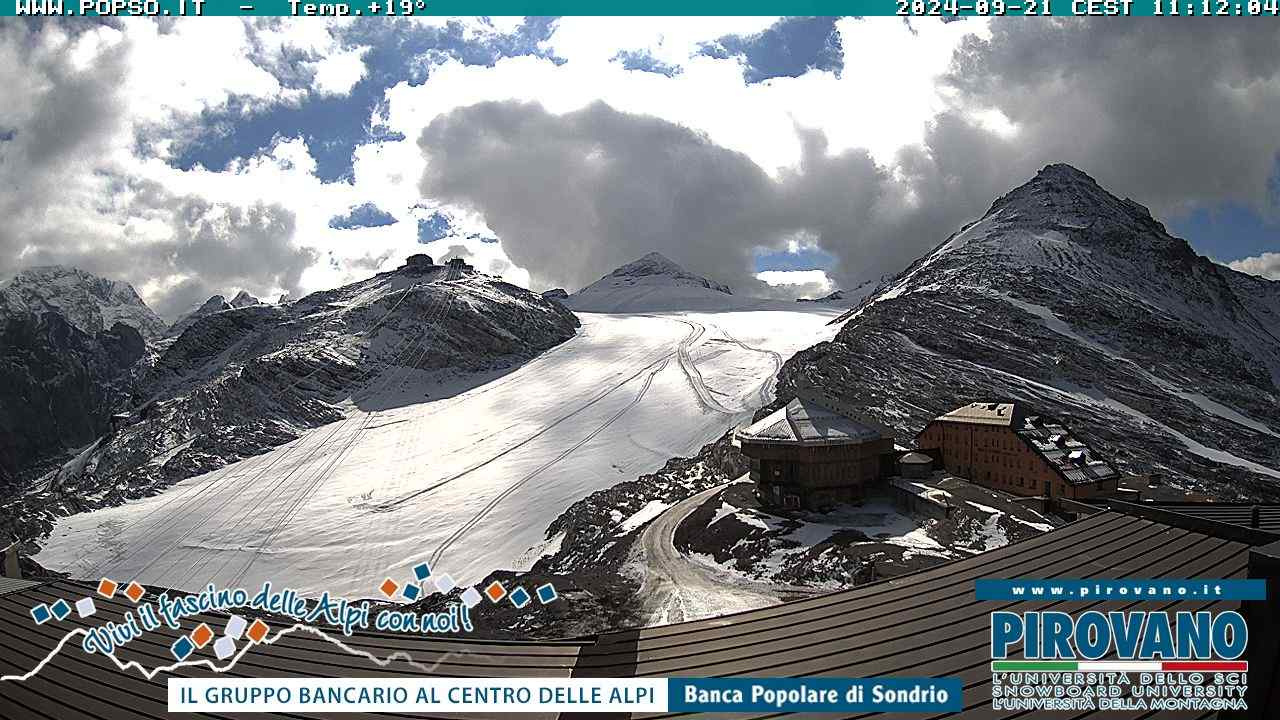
401, 52
333, 126
304, 161
1228, 231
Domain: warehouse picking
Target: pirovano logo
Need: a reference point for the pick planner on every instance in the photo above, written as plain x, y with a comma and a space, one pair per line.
1123, 659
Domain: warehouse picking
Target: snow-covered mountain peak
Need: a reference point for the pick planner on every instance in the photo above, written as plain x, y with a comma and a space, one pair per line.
214, 304
657, 269
244, 299
1062, 197
1080, 303
652, 282
654, 269
88, 302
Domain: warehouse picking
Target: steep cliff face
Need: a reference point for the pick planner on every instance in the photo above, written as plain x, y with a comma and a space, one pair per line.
1082, 304
68, 344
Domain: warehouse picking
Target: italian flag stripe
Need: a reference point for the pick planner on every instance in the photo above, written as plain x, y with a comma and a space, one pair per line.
1118, 666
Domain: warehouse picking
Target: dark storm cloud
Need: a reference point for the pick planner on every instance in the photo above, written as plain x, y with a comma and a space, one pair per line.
227, 246
212, 248
1173, 116
65, 202
574, 196
1170, 114
56, 115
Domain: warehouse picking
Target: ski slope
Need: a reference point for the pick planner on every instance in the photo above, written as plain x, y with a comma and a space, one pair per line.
468, 483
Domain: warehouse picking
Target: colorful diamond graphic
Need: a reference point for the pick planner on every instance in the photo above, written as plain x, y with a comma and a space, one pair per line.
134, 592
520, 597
422, 571
411, 592
495, 591
60, 609
85, 607
107, 588
201, 635
546, 593
258, 630
444, 583
389, 588
470, 597
182, 648
41, 614
224, 647
235, 627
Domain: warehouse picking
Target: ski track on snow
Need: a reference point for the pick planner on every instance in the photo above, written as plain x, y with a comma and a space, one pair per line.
471, 480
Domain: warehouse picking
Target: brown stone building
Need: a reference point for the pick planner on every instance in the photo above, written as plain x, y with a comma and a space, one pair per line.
1003, 447
813, 453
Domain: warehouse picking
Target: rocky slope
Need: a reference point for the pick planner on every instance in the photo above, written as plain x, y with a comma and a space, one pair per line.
1082, 304
69, 342
244, 379
58, 388
590, 553
215, 304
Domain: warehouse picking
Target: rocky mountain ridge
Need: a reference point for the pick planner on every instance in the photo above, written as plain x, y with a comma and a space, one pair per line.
242, 380
69, 345
88, 302
1083, 305
654, 283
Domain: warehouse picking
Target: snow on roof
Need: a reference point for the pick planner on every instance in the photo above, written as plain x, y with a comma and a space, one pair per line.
915, 458
1075, 461
805, 422
985, 413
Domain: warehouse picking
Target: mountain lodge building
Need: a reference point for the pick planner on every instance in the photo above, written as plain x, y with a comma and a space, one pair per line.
813, 453
1001, 446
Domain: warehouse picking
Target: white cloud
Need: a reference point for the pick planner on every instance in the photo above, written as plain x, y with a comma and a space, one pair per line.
864, 106
185, 67
941, 138
77, 101
816, 278
1266, 265
338, 72
669, 40
110, 207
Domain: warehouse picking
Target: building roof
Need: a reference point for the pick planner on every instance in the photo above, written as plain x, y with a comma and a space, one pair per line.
984, 413
806, 422
1069, 456
915, 458
926, 624
1268, 514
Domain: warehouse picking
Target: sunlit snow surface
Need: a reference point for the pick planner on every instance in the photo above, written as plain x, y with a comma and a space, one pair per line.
469, 483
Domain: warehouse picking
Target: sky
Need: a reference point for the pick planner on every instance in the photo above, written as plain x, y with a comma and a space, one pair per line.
782, 156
